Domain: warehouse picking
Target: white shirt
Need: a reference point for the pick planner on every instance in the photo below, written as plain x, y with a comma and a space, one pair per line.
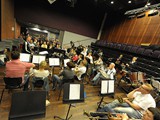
38, 73
143, 100
111, 73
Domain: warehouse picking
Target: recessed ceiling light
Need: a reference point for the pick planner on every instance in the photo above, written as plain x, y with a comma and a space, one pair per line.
129, 1
112, 2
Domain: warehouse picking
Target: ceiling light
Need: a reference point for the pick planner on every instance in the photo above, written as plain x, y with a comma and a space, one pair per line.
129, 1
112, 2
51, 1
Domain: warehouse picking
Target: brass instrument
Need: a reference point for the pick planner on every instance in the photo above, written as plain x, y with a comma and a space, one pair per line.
104, 74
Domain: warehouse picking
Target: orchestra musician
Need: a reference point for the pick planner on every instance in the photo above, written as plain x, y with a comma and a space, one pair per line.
136, 103
107, 73
26, 45
16, 68
65, 74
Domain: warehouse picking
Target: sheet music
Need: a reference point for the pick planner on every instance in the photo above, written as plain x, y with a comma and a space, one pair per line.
111, 86
104, 87
107, 86
37, 59
43, 53
25, 57
74, 92
65, 62
54, 62
2, 57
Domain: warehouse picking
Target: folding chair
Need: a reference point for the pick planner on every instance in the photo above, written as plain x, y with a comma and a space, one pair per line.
11, 83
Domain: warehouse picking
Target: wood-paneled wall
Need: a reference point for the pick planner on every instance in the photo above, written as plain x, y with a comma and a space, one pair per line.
132, 31
9, 28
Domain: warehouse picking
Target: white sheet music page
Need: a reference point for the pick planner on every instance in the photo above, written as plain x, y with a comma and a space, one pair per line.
25, 57
65, 62
2, 57
43, 53
104, 87
42, 58
111, 86
35, 59
74, 92
54, 62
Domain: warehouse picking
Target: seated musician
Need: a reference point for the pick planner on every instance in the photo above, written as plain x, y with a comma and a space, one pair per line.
131, 63
42, 73
16, 68
80, 69
98, 64
150, 114
65, 74
107, 73
141, 101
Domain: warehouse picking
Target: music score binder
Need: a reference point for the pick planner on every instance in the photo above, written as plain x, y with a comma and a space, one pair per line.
73, 93
107, 87
54, 62
38, 58
24, 57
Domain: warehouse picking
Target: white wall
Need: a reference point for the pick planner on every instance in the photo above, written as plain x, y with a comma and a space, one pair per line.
77, 39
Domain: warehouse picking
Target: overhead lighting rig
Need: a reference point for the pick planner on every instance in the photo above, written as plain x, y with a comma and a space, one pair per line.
140, 12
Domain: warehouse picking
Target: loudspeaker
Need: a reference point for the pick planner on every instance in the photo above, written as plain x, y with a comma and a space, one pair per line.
28, 105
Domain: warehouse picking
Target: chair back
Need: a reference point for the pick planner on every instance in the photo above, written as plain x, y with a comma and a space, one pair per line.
12, 83
39, 82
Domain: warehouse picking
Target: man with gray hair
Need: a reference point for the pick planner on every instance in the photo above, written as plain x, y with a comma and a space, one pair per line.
107, 73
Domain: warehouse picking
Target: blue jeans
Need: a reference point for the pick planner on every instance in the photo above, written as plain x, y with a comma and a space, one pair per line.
117, 107
56, 79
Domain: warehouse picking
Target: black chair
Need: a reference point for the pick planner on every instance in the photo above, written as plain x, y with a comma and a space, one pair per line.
39, 82
11, 83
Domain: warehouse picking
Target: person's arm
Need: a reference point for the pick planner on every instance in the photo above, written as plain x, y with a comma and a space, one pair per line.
26, 47
130, 95
136, 107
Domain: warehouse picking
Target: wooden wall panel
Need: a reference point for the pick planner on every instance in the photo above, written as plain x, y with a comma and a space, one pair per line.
134, 31
9, 28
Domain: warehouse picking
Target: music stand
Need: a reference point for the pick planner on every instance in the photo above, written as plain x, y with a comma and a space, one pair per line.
72, 93
107, 88
54, 62
38, 58
24, 57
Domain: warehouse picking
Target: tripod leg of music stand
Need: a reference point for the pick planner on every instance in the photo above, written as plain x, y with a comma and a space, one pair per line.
67, 118
100, 103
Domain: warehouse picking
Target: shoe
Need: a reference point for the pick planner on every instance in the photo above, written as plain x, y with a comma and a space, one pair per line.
95, 114
86, 113
47, 103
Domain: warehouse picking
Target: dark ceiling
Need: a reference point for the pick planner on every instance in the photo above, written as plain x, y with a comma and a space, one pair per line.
101, 5
88, 6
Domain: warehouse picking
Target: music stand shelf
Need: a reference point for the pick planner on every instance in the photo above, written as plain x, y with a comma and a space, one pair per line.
73, 93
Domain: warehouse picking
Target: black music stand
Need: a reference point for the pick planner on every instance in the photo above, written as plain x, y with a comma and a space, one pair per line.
107, 88
72, 93
54, 62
